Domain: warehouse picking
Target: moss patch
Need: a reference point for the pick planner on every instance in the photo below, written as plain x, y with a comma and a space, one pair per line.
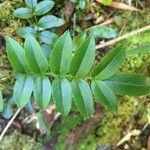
18, 141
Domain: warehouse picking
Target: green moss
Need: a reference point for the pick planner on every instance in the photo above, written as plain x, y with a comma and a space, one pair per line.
8, 23
113, 126
68, 123
18, 141
138, 63
88, 143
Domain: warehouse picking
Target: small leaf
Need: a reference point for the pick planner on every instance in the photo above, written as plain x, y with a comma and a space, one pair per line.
8, 111
83, 97
22, 32
48, 22
83, 58
61, 54
43, 7
62, 95
23, 90
129, 84
107, 2
103, 32
35, 57
42, 91
109, 64
48, 37
31, 3
78, 40
104, 95
82, 4
23, 13
47, 49
1, 102
16, 55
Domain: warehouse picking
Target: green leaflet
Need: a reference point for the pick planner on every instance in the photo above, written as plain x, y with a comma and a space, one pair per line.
23, 13
83, 58
62, 95
109, 64
48, 37
1, 102
23, 90
83, 97
61, 54
43, 7
47, 49
48, 22
42, 91
78, 40
82, 4
129, 84
104, 95
102, 32
35, 57
16, 55
8, 111
31, 3
22, 32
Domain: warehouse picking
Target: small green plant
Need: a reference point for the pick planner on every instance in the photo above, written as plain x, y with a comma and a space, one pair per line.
69, 75
81, 3
40, 28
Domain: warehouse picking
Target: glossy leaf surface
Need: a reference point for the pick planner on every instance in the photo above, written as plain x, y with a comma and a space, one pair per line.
82, 97
35, 57
83, 58
22, 90
62, 95
104, 95
129, 84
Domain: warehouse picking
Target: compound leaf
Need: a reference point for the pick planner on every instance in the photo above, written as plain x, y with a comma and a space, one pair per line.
22, 90
129, 84
104, 95
35, 57
62, 95
83, 58
61, 54
83, 97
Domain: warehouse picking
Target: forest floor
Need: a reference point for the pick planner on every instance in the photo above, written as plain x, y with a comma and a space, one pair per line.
129, 129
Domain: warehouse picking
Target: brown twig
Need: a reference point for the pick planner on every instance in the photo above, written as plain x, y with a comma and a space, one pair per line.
111, 42
119, 5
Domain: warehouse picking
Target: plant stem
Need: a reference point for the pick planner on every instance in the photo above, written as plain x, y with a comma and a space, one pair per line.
9, 124
111, 42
